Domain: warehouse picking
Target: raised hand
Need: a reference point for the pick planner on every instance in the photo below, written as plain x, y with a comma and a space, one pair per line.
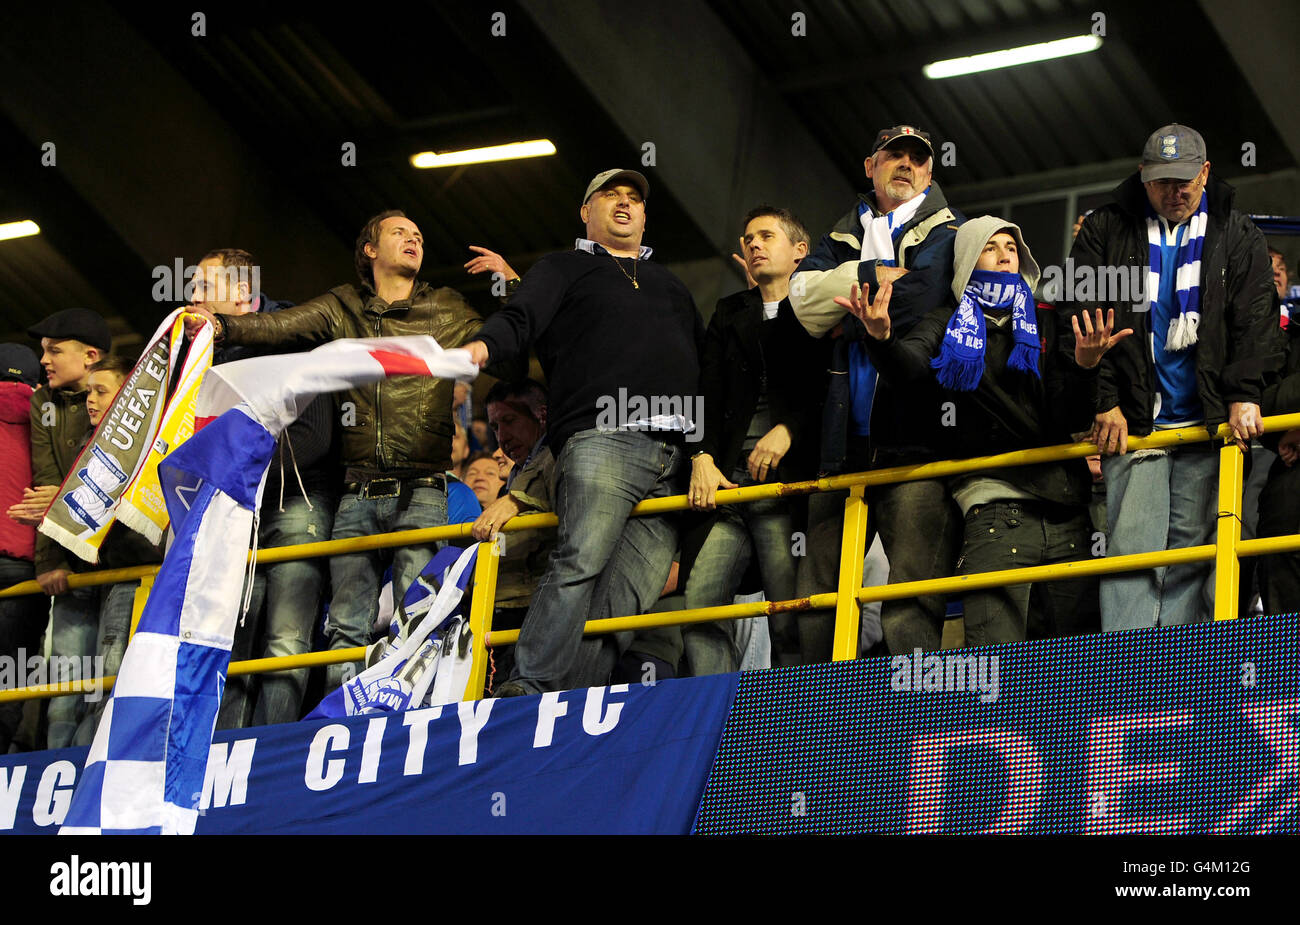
1089, 348
489, 262
873, 315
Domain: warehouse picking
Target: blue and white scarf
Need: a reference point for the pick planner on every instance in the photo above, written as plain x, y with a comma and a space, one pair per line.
1182, 329
960, 362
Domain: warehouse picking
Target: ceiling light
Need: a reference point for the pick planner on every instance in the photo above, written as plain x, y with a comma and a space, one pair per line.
510, 152
18, 230
1010, 57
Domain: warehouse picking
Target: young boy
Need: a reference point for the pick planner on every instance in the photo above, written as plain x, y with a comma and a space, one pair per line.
71, 342
121, 548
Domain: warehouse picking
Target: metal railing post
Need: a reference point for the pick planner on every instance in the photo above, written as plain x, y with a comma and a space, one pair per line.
480, 616
1227, 567
138, 602
853, 549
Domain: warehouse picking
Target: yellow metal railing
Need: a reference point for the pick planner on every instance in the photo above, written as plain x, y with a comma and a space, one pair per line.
1226, 552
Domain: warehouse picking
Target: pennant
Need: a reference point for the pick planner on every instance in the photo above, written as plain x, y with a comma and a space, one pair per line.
120, 459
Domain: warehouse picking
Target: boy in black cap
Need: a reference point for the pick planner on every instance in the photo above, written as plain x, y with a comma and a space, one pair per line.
71, 342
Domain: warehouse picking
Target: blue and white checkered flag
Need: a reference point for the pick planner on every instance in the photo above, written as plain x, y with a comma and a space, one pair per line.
145, 770
427, 661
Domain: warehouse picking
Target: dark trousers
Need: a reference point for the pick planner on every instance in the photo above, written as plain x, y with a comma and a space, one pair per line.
1019, 534
22, 621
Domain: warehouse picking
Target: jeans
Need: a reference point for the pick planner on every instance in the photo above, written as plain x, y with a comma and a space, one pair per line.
292, 595
739, 532
74, 629
1018, 534
22, 621
920, 527
605, 563
1158, 502
110, 644
356, 577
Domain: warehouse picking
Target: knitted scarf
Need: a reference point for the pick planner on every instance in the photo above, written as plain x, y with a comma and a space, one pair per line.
1182, 329
960, 362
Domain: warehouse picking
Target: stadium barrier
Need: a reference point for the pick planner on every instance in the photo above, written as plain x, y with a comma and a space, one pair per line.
1226, 552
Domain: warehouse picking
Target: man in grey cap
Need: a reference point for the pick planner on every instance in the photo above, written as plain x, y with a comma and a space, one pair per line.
1206, 344
618, 337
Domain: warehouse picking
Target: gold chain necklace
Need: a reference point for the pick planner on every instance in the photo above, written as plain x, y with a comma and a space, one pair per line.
631, 278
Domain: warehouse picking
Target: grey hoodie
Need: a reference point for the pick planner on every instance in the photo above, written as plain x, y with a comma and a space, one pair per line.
971, 238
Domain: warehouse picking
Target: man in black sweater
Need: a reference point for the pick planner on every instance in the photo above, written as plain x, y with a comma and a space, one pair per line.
618, 339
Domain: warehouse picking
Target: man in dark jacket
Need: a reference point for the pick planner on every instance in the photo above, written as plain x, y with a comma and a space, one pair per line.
763, 381
1205, 346
901, 232
1279, 501
395, 434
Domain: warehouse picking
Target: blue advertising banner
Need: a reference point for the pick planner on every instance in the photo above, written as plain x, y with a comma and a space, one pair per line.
1191, 730
603, 760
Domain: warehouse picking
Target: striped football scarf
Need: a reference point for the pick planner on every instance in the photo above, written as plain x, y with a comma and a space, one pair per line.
1182, 329
960, 362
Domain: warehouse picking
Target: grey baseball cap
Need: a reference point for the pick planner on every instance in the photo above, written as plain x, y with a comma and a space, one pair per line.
1173, 152
609, 177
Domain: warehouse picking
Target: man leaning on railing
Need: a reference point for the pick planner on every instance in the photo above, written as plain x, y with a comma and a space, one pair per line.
1206, 345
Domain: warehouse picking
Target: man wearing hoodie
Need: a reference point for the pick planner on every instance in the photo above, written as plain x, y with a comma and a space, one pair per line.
985, 350
1207, 344
901, 232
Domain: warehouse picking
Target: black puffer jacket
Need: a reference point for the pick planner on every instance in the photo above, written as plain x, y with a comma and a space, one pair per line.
1239, 347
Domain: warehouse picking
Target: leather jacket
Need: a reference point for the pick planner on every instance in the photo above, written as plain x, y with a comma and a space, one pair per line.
398, 424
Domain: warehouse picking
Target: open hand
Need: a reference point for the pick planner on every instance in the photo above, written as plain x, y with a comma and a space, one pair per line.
873, 315
1089, 348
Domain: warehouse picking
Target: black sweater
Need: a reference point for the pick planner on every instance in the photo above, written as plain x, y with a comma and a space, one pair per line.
595, 334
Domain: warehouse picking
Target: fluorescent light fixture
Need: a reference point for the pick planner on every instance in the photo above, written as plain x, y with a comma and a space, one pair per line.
1010, 57
510, 152
18, 230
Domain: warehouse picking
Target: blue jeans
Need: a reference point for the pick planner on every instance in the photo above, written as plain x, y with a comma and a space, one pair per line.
356, 577
1155, 503
74, 628
22, 621
739, 532
111, 639
605, 563
292, 594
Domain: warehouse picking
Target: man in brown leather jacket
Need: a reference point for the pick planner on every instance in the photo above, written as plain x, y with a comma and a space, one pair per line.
396, 434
